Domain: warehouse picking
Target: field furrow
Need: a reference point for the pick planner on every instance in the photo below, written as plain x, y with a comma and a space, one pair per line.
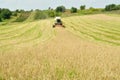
88, 48
90, 29
30, 32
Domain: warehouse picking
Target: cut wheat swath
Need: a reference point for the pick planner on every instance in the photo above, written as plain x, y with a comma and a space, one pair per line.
87, 49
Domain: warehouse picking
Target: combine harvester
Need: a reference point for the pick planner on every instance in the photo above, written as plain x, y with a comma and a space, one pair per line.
58, 22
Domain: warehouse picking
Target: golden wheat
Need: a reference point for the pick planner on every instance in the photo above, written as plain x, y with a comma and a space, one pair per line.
36, 51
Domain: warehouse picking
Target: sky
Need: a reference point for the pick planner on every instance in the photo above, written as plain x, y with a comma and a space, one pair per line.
44, 4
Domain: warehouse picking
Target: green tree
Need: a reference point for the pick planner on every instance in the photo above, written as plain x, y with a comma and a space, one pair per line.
82, 7
5, 13
73, 10
117, 7
93, 9
17, 10
110, 7
49, 8
60, 9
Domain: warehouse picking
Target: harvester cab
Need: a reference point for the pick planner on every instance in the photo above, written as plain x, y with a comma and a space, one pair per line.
58, 22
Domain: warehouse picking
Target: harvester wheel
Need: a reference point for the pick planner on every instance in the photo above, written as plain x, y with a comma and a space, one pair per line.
63, 26
53, 26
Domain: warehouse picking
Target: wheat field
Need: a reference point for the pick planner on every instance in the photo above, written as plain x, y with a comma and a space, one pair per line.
87, 49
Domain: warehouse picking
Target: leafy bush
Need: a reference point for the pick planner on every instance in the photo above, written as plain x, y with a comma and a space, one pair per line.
51, 13
40, 15
58, 13
84, 12
14, 13
60, 9
73, 10
23, 16
90, 11
21, 11
95, 9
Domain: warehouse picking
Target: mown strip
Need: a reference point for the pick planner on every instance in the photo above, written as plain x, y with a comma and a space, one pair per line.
94, 31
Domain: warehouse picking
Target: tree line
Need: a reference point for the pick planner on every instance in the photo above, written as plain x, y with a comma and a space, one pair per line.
42, 14
111, 7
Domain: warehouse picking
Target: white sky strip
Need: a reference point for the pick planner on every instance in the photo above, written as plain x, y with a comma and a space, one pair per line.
44, 4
